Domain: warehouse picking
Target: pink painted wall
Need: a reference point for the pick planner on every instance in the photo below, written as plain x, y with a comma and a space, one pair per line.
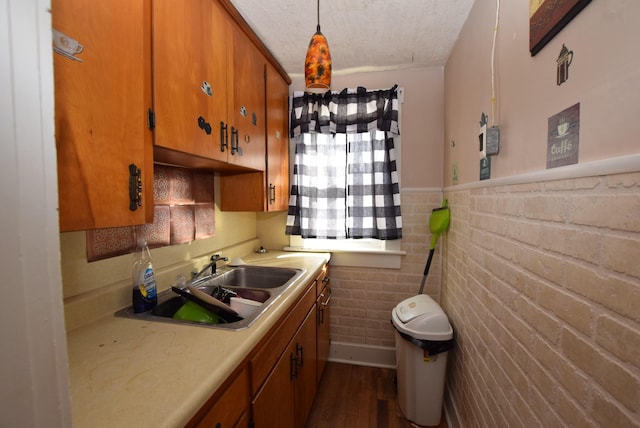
540, 276
604, 78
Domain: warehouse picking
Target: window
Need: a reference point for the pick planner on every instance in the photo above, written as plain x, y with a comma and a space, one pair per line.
345, 187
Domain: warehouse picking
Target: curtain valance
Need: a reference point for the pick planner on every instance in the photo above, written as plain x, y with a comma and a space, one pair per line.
349, 111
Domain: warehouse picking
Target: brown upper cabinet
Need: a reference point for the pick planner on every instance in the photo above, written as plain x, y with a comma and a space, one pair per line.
102, 87
190, 76
277, 141
247, 117
208, 84
182, 83
260, 191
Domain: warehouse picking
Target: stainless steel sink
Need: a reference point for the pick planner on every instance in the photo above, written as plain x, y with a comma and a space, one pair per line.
258, 283
250, 277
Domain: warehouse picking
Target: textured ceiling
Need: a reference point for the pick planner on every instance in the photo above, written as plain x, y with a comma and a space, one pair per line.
362, 34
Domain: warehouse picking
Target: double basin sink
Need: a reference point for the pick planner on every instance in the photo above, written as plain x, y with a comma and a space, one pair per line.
257, 283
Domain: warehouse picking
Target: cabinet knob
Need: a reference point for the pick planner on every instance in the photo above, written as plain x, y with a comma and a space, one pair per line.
204, 125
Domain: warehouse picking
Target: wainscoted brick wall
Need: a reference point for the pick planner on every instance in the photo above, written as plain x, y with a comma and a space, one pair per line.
364, 297
542, 284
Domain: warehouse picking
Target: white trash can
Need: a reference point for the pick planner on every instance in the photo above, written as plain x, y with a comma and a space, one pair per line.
423, 339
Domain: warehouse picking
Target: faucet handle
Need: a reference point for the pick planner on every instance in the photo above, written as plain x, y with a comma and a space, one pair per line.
181, 280
217, 257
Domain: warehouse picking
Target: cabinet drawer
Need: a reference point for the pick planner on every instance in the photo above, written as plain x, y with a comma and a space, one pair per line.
269, 352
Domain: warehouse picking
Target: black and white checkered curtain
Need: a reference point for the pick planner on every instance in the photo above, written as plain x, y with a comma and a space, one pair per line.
345, 182
349, 111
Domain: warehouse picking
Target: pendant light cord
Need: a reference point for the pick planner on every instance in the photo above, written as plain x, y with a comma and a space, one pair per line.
318, 26
493, 60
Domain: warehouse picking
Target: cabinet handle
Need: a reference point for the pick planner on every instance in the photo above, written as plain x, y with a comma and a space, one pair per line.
235, 143
300, 350
135, 187
320, 315
272, 194
326, 302
224, 137
325, 280
151, 119
293, 366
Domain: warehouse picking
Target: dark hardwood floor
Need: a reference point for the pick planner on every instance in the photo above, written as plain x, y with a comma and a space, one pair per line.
358, 397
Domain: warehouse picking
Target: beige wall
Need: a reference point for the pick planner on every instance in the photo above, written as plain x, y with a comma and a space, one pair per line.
540, 276
604, 78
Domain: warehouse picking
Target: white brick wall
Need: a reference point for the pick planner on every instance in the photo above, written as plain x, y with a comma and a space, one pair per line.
363, 298
541, 282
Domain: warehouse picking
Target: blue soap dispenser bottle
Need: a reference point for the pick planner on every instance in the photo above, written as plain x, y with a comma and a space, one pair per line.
145, 296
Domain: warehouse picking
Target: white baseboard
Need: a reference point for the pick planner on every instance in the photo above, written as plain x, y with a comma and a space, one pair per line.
363, 355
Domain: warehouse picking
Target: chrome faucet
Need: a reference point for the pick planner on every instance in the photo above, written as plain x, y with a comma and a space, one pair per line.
212, 264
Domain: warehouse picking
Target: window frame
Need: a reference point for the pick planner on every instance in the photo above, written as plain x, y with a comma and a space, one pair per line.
357, 252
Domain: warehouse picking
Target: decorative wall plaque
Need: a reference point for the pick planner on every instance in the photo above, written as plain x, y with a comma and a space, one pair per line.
563, 137
564, 61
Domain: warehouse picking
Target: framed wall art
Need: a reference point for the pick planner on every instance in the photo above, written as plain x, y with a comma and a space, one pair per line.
548, 17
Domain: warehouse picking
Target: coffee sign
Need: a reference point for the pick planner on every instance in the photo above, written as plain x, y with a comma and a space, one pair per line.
563, 137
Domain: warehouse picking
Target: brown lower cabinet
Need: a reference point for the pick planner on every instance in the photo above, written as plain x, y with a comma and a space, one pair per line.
230, 409
323, 311
287, 395
276, 384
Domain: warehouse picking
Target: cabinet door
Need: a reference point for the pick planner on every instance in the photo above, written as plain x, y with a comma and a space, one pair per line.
277, 141
273, 404
254, 191
231, 408
287, 395
247, 102
324, 341
190, 76
305, 385
102, 94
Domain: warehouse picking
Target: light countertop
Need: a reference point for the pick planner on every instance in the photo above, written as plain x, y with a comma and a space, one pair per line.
129, 372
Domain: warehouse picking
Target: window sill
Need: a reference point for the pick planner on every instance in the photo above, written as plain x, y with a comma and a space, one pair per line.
382, 259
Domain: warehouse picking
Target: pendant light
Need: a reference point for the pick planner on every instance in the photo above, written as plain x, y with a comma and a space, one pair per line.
317, 65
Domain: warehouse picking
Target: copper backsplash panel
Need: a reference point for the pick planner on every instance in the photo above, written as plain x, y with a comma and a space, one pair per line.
184, 211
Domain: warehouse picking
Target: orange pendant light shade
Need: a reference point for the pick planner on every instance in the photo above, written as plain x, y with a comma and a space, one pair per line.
317, 65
